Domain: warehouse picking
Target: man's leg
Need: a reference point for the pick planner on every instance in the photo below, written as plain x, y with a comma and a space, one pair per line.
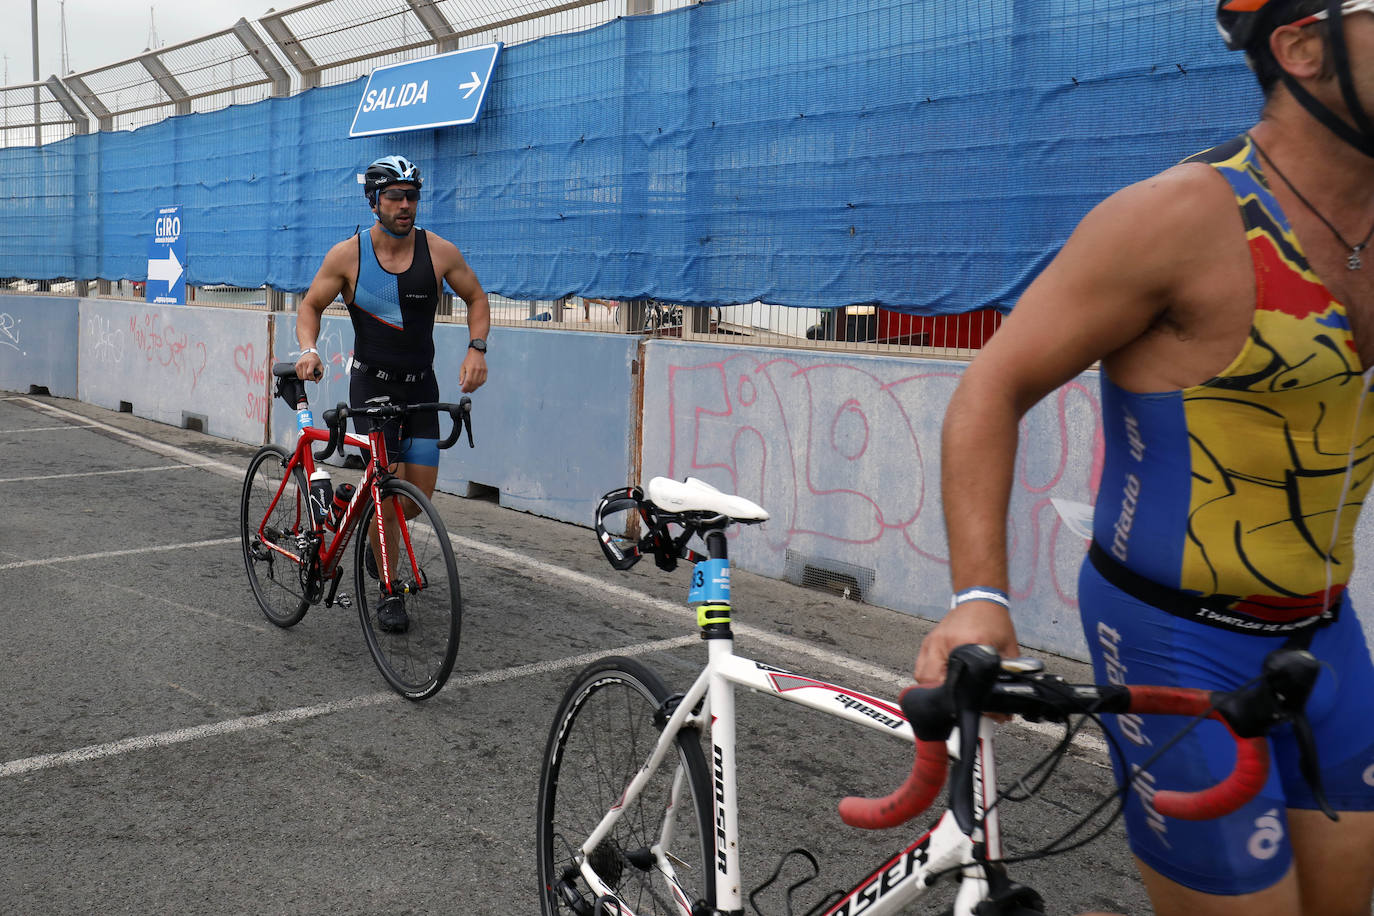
1335, 862
423, 477
1333, 875
1172, 899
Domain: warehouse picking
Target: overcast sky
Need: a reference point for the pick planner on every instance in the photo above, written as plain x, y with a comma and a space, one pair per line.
102, 32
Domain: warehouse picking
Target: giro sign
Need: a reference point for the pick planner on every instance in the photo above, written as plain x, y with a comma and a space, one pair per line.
166, 259
434, 92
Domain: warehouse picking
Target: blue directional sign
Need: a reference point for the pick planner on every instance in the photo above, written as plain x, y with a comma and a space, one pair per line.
434, 92
167, 259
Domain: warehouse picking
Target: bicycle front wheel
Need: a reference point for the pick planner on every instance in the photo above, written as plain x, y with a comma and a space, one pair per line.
271, 528
658, 858
412, 632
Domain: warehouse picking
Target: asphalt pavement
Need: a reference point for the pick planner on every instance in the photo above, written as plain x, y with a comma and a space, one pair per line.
166, 749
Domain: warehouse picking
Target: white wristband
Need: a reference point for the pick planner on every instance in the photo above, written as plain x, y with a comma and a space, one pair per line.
980, 593
305, 350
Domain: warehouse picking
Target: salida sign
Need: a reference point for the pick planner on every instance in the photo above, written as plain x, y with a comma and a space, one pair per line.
396, 97
433, 92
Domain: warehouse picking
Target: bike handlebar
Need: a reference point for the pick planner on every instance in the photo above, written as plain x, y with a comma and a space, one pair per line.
335, 418
979, 683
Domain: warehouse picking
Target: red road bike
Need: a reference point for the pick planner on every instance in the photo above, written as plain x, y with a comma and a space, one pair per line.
295, 536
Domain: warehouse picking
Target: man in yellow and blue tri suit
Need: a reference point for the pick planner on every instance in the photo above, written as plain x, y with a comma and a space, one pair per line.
1230, 302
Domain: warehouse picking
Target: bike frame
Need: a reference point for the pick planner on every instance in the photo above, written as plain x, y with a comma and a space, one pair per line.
898, 882
373, 474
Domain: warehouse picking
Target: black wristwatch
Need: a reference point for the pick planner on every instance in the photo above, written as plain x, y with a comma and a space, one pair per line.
478, 344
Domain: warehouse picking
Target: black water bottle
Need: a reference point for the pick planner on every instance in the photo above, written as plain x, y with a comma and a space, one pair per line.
321, 495
342, 497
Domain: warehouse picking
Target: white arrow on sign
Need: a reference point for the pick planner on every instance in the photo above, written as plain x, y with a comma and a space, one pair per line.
472, 86
165, 271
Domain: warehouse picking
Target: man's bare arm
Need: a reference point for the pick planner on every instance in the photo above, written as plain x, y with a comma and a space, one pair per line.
463, 281
329, 281
1112, 281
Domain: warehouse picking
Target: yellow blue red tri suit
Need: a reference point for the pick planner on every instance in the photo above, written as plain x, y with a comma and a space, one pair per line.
1232, 505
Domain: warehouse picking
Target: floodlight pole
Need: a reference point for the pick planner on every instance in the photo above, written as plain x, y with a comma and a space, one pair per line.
37, 98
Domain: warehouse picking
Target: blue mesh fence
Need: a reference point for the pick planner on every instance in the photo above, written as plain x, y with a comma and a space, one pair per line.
929, 157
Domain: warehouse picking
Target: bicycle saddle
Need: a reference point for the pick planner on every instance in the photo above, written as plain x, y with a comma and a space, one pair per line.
693, 495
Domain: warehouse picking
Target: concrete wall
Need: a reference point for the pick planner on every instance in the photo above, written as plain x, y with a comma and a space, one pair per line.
554, 426
842, 449
844, 452
38, 344
177, 365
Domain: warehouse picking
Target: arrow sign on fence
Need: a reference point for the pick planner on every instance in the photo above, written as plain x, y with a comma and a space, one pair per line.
168, 271
166, 259
433, 92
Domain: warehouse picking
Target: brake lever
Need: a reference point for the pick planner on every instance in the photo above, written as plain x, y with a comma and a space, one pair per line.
465, 417
973, 671
1280, 695
1291, 675
1309, 765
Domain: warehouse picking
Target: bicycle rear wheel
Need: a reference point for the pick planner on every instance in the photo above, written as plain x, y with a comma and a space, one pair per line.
275, 575
416, 658
606, 728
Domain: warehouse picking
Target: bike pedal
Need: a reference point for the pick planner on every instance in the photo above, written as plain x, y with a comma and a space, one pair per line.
344, 600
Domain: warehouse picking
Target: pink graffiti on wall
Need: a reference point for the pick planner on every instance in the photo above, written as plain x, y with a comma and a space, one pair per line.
817, 445
163, 344
254, 370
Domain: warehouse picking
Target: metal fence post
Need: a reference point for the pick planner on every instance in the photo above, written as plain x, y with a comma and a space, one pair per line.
630, 316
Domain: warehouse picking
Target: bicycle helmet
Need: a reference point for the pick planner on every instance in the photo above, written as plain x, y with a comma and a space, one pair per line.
1245, 25
386, 171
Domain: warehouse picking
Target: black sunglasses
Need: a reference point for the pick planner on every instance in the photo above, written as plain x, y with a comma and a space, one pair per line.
410, 194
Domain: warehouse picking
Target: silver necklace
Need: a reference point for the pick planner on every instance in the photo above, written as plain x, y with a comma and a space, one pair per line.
1352, 262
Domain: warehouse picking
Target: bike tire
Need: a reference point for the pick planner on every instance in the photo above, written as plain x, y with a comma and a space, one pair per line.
606, 727
275, 578
417, 661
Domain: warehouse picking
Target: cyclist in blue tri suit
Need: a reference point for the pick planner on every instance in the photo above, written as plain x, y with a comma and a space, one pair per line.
391, 277
1230, 301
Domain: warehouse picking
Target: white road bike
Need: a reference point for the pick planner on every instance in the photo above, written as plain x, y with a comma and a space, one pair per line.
634, 818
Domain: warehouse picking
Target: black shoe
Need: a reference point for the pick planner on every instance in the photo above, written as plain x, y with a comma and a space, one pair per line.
370, 564
391, 615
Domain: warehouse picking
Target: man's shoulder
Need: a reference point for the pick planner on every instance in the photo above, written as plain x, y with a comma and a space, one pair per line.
441, 250
1182, 201
347, 247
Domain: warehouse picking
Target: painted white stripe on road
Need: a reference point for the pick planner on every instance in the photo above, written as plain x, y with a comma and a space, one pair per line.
45, 429
1083, 741
163, 467
185, 456
268, 719
105, 555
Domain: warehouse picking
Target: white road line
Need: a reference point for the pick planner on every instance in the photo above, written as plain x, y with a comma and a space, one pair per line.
164, 467
265, 720
1082, 741
118, 553
45, 429
185, 456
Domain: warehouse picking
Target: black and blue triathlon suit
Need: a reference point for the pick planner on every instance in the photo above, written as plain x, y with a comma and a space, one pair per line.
393, 347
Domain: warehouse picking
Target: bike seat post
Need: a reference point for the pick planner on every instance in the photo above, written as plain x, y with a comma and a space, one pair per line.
710, 592
711, 587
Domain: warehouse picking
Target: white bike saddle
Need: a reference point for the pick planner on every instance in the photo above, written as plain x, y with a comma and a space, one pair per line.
693, 495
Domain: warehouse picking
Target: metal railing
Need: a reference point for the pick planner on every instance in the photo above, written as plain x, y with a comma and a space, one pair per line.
316, 43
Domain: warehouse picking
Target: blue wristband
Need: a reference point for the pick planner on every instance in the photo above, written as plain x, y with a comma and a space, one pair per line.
980, 593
